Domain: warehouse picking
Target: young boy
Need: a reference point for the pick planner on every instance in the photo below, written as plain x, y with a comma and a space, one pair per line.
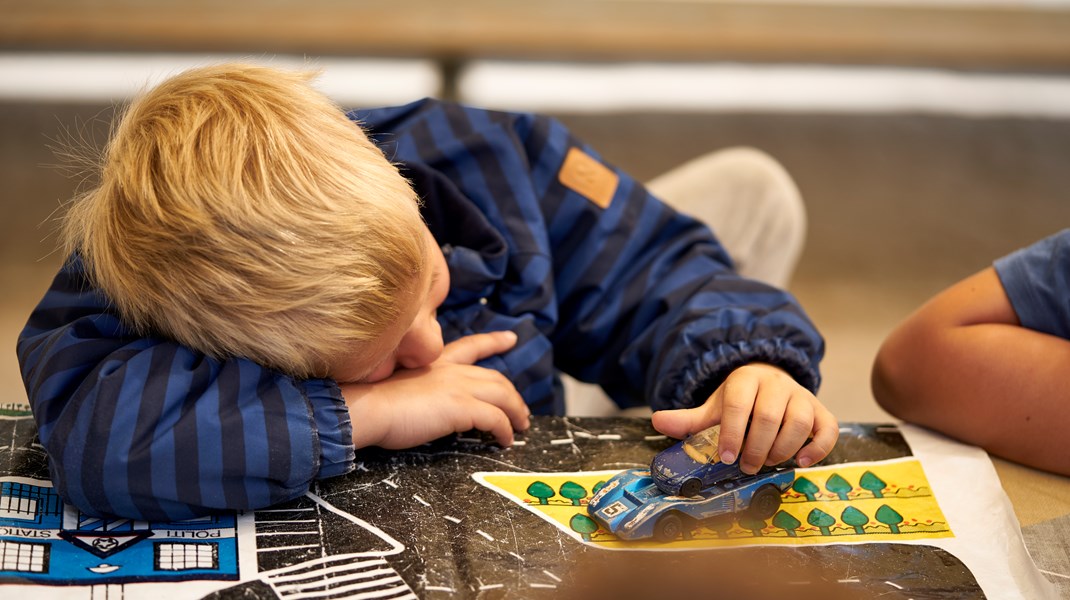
255, 290
985, 360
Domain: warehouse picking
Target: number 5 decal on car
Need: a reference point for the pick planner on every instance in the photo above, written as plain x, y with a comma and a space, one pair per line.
614, 509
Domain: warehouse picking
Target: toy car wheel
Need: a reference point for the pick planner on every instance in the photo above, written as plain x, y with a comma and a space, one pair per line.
669, 527
764, 503
691, 487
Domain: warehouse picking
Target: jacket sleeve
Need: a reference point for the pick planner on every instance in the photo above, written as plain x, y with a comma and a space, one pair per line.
649, 304
141, 427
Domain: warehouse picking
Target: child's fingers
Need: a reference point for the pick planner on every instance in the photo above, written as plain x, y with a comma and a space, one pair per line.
826, 432
474, 348
679, 423
765, 421
487, 417
494, 388
737, 400
797, 425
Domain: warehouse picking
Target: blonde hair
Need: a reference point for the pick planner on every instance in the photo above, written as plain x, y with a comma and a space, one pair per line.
241, 213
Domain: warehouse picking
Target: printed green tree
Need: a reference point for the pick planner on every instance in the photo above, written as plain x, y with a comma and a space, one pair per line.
871, 482
887, 515
822, 520
754, 525
855, 518
806, 487
598, 486
541, 491
786, 522
573, 491
583, 525
838, 485
720, 526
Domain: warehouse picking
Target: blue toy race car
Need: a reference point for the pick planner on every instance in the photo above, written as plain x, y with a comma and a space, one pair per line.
692, 464
687, 484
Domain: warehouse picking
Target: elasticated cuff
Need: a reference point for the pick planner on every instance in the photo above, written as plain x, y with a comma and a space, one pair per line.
692, 386
333, 425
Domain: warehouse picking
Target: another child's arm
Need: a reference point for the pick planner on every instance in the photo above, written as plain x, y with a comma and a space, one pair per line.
144, 428
965, 365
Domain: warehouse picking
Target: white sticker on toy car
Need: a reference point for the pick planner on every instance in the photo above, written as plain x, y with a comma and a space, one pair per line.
614, 509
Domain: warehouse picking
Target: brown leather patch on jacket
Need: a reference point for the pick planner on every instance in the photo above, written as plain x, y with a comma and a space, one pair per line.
586, 176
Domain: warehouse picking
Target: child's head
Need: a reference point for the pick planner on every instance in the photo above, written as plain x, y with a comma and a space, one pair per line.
240, 213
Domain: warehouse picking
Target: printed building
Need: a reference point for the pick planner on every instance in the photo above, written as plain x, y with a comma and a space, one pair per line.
43, 540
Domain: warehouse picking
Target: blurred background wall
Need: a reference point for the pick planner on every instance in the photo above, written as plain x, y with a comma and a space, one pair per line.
928, 137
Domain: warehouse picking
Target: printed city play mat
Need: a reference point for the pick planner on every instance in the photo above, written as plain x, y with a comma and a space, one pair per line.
464, 518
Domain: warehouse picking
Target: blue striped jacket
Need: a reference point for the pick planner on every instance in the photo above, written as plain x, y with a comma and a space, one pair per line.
606, 283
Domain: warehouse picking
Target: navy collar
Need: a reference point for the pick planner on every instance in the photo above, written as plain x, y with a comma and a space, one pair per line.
475, 250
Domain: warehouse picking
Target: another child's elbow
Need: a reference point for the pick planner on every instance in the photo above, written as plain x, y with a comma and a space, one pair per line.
893, 377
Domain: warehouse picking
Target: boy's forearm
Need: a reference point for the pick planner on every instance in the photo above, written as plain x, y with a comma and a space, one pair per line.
185, 434
227, 442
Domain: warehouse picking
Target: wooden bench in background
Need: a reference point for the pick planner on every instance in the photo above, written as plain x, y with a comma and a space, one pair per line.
983, 35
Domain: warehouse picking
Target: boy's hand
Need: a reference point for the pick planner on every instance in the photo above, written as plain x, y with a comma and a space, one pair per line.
782, 415
414, 406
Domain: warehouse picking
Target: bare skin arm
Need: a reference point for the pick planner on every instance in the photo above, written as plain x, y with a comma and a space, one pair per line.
962, 364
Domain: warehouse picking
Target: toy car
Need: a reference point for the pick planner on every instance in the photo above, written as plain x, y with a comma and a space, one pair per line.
692, 464
686, 484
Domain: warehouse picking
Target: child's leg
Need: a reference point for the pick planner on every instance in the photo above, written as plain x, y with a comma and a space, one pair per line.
750, 202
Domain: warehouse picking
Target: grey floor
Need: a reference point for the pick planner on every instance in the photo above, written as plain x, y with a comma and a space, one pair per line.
899, 206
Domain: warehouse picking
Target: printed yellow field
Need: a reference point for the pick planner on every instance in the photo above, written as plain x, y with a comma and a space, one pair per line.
888, 501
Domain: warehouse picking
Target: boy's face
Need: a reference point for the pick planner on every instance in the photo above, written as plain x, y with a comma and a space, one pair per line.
415, 340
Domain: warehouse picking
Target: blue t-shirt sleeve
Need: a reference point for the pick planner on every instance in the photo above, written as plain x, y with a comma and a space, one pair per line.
1037, 281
